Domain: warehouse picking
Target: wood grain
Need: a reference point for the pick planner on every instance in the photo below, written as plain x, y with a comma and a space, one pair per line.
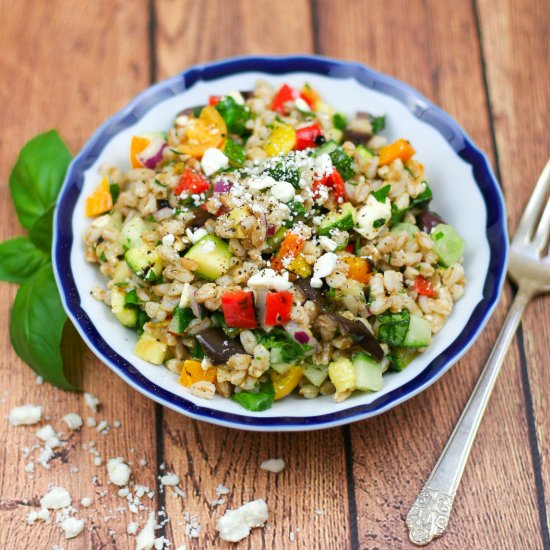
516, 43
68, 69
394, 453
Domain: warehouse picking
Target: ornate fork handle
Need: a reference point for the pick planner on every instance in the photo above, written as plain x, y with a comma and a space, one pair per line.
429, 515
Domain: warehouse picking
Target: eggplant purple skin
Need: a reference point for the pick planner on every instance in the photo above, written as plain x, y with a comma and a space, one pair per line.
356, 137
427, 220
217, 346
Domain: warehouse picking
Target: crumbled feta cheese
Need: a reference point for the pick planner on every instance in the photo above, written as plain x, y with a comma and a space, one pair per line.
161, 543
261, 182
53, 443
237, 96
43, 514
169, 479
302, 105
86, 502
72, 527
39, 380
317, 220
182, 120
91, 401
102, 426
274, 465
117, 424
195, 236
283, 191
29, 467
213, 160
168, 240
124, 492
208, 247
328, 244
222, 490
90, 421
146, 538
56, 498
324, 265
102, 221
98, 461
25, 415
323, 165
46, 432
73, 421
118, 472
132, 528
373, 213
235, 525
268, 278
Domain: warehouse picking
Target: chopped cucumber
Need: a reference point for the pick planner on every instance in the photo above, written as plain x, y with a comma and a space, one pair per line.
151, 350
180, 320
419, 334
122, 273
408, 228
316, 374
131, 232
274, 241
126, 315
400, 358
281, 368
212, 256
335, 134
327, 148
343, 218
342, 374
447, 244
364, 152
368, 373
142, 260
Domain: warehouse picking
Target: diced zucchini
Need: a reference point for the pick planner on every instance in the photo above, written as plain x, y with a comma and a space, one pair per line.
342, 374
212, 256
335, 134
131, 232
447, 244
274, 241
364, 152
236, 216
419, 334
143, 259
122, 272
180, 320
126, 315
281, 368
408, 228
342, 218
368, 373
327, 148
151, 350
316, 374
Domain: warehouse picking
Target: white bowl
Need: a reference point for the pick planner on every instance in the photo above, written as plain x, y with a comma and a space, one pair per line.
465, 191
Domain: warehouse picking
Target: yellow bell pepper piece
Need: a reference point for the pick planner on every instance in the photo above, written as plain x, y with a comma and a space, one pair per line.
283, 384
400, 149
342, 374
300, 266
282, 140
209, 130
101, 200
192, 372
358, 269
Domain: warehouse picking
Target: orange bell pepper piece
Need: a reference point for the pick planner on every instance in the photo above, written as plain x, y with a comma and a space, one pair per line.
209, 130
400, 149
192, 372
101, 200
290, 247
358, 269
138, 145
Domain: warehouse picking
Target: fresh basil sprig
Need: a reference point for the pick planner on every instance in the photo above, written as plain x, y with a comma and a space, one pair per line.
37, 317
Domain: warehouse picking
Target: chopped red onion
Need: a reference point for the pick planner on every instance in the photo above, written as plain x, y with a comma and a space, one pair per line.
270, 230
301, 337
222, 186
153, 153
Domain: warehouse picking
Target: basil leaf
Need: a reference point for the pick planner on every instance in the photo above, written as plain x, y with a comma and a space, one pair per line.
393, 327
379, 223
36, 326
20, 259
42, 230
37, 176
259, 401
235, 152
339, 121
343, 163
235, 115
378, 124
114, 189
382, 194
131, 299
422, 200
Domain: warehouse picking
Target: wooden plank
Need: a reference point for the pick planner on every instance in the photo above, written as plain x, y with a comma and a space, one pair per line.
203, 455
516, 43
434, 46
67, 68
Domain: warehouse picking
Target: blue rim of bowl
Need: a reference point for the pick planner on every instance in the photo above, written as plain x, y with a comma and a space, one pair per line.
419, 106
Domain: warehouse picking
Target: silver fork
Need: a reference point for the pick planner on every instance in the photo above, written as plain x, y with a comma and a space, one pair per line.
530, 269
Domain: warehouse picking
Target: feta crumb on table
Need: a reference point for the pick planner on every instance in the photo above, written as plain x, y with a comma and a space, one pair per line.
274, 465
46, 432
73, 421
86, 502
25, 415
146, 538
235, 525
56, 498
170, 479
118, 471
91, 401
72, 527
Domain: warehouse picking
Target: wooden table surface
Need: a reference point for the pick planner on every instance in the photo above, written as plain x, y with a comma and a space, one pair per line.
69, 65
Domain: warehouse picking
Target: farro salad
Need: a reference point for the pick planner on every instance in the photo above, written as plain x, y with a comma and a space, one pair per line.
268, 244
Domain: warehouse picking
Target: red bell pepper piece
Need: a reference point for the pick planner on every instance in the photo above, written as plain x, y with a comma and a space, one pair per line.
192, 183
278, 306
350, 248
285, 93
214, 100
238, 309
305, 137
424, 287
335, 182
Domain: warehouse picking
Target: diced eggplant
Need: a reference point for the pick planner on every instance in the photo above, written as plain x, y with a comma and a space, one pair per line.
201, 216
217, 346
358, 137
314, 294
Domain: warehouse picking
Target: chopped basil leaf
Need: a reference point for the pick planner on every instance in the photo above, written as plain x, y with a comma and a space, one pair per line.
393, 327
382, 194
378, 124
343, 163
379, 223
234, 152
256, 401
131, 298
114, 188
339, 121
235, 115
102, 257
